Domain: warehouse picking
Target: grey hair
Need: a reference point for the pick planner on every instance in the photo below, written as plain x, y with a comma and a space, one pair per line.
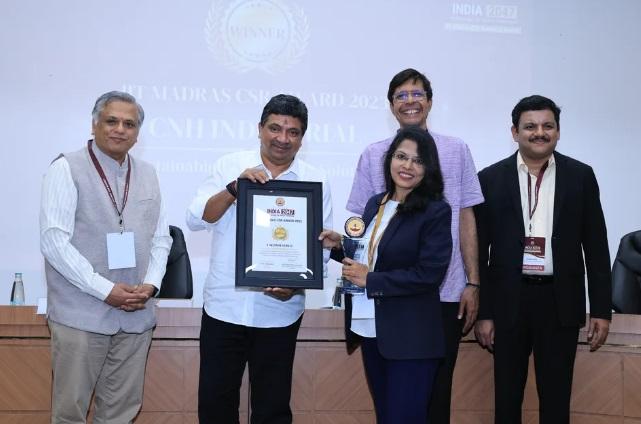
113, 96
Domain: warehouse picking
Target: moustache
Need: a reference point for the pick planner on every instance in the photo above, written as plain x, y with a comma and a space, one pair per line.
280, 145
540, 138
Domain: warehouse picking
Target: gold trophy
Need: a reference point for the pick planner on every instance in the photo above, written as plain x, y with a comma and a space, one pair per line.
353, 247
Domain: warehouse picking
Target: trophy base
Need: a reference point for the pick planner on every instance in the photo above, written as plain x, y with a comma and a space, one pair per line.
350, 288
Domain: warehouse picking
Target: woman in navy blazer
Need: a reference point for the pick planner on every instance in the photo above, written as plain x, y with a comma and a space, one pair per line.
408, 246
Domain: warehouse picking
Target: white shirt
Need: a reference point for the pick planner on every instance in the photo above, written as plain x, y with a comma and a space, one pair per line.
543, 219
57, 221
361, 305
222, 300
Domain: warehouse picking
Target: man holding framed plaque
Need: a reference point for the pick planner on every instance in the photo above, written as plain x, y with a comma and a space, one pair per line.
242, 325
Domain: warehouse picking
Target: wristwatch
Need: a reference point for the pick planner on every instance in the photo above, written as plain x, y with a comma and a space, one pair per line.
231, 188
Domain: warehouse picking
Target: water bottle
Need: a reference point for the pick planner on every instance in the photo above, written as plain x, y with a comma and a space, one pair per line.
17, 291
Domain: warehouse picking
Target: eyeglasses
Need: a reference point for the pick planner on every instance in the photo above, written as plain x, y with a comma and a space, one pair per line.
404, 96
403, 158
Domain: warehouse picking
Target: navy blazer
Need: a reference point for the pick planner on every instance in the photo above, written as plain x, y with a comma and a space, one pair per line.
413, 256
579, 241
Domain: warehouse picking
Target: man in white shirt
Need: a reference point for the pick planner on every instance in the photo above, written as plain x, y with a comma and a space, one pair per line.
105, 240
243, 326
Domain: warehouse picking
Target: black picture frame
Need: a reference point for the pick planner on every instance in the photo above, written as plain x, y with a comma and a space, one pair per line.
313, 193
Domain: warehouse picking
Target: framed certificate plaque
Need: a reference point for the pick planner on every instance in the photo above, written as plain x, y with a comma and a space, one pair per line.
277, 230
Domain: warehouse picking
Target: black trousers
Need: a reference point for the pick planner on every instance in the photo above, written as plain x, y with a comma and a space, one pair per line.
439, 407
225, 349
400, 388
537, 331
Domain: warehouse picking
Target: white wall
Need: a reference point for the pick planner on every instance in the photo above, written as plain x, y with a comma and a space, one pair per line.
203, 71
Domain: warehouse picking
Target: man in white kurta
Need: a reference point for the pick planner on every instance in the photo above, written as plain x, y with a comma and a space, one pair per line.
243, 326
105, 240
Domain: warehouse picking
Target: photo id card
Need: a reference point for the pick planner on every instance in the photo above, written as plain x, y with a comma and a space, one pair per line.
121, 252
534, 254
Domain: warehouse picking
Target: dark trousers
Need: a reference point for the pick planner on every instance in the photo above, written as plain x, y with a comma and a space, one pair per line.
439, 406
224, 350
400, 388
537, 331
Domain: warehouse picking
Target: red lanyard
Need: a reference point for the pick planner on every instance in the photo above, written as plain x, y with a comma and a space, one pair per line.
537, 187
105, 182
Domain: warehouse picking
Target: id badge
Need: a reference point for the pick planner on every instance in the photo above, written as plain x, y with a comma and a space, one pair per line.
121, 251
534, 254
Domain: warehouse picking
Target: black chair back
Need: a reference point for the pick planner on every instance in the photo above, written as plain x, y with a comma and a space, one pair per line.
626, 275
178, 282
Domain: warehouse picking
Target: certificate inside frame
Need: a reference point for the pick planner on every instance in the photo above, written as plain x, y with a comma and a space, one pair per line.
249, 271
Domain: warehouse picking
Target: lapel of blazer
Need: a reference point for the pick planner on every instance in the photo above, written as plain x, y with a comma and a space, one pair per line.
559, 189
392, 226
512, 186
370, 214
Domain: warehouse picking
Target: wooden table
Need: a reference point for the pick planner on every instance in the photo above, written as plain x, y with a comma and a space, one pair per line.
329, 386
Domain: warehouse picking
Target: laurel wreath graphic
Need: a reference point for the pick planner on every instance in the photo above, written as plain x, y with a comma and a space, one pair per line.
290, 56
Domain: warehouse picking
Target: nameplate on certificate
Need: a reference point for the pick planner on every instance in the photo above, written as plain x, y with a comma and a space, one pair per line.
280, 234
277, 228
